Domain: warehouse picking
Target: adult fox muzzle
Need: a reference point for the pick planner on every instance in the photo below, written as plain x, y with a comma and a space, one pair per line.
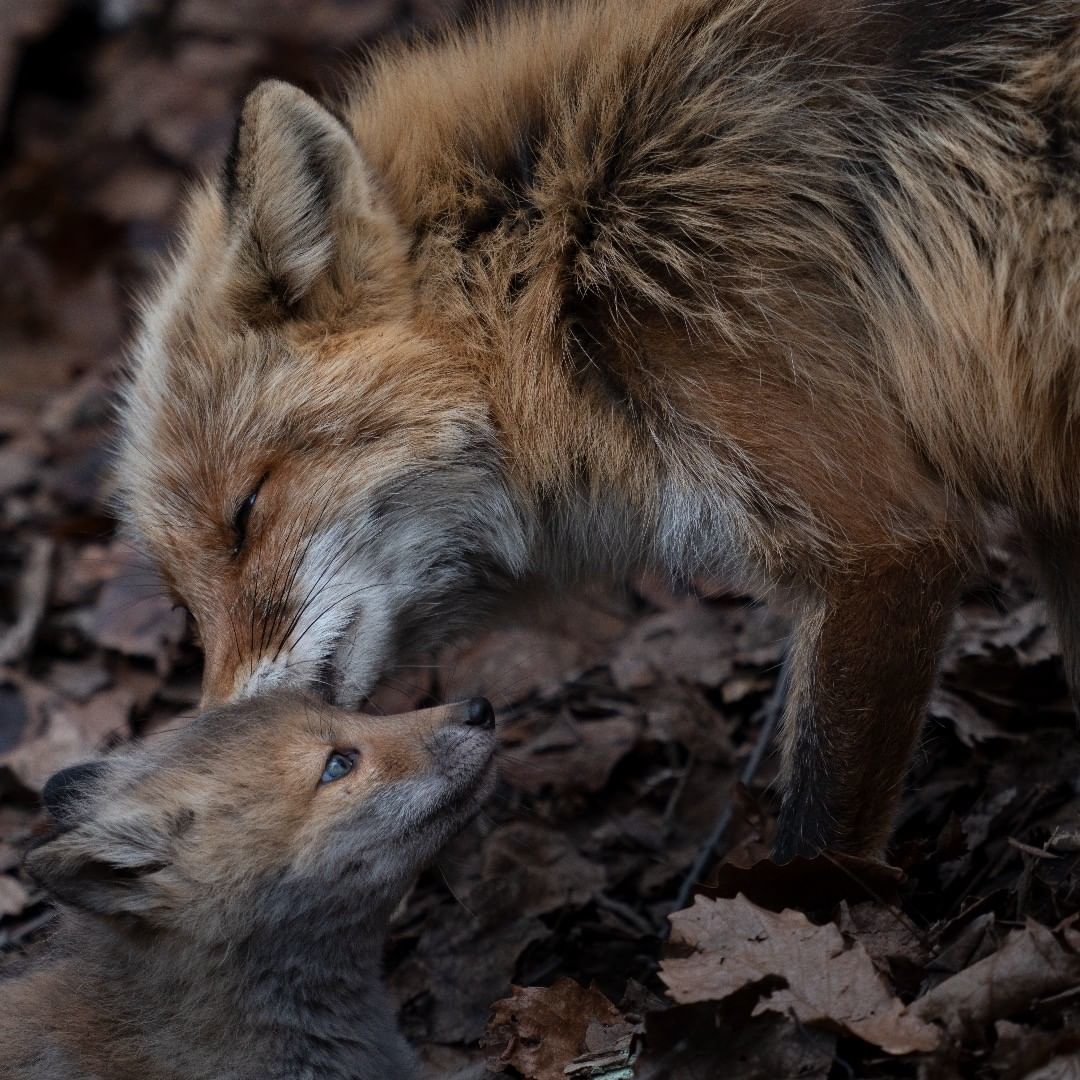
786, 291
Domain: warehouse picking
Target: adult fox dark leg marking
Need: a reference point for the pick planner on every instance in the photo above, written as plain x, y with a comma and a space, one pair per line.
862, 662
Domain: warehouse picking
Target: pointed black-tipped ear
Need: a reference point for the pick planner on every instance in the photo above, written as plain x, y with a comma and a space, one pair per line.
296, 189
65, 793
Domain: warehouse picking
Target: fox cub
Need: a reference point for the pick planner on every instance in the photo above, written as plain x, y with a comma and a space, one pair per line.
226, 891
781, 290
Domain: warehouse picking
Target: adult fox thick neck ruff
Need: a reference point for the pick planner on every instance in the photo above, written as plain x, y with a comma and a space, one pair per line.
780, 290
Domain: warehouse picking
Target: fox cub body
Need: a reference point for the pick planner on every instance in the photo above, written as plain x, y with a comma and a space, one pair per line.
781, 290
226, 890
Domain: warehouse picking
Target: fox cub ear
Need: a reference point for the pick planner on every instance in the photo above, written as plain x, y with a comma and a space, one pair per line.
99, 860
65, 793
301, 202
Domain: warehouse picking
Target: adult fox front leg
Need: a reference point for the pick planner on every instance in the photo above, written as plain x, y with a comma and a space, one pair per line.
862, 661
787, 291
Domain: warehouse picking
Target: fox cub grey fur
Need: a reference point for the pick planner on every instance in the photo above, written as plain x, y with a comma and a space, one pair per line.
225, 893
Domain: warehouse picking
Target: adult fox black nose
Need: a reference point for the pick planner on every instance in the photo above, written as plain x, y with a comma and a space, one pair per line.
479, 713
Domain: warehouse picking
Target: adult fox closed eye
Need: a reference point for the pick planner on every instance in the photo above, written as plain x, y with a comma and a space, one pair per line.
227, 889
783, 290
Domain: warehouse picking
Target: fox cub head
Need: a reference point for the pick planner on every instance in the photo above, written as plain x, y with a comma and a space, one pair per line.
314, 489
262, 814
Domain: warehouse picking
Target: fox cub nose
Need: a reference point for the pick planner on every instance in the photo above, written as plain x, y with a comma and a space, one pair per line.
479, 713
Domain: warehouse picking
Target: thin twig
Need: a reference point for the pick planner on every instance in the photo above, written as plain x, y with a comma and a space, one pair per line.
625, 912
707, 855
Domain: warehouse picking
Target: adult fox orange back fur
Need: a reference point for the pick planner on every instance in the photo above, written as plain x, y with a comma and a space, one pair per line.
783, 290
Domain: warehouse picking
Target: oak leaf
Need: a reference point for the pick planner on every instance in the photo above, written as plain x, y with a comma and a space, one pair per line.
823, 979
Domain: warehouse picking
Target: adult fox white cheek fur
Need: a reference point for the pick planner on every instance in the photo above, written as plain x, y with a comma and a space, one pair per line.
783, 290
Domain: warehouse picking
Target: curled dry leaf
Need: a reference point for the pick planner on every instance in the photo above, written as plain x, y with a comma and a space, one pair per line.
970, 725
809, 884
1033, 963
1019, 639
734, 944
543, 1029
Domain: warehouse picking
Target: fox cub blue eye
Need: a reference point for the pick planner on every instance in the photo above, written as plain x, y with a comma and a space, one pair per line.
337, 766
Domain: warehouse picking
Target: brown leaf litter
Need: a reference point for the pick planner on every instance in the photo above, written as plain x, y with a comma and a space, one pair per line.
536, 948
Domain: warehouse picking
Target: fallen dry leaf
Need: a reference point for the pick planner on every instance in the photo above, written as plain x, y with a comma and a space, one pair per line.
543, 1029
1033, 963
1020, 1049
134, 615
529, 869
459, 967
885, 933
452, 1063
1064, 838
19, 23
512, 663
736, 944
1022, 637
568, 754
14, 896
810, 884
1066, 1067
54, 733
33, 594
971, 726
688, 1041
683, 643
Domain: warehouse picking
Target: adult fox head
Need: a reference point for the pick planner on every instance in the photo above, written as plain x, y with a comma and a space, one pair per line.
262, 813
312, 486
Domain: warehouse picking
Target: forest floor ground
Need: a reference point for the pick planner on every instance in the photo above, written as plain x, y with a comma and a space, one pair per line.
539, 945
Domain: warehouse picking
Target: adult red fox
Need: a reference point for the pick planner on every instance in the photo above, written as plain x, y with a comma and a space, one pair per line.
226, 890
784, 290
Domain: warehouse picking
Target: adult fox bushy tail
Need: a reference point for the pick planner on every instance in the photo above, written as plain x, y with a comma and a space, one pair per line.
780, 290
226, 890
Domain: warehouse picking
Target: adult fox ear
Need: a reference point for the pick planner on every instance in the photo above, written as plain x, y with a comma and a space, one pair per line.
303, 207
97, 860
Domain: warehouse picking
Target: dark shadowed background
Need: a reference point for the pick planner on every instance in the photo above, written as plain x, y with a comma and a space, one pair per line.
626, 718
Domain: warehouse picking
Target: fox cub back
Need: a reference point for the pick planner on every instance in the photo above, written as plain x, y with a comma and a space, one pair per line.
225, 891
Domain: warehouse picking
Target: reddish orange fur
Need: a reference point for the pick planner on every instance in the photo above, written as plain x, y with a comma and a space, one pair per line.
781, 289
